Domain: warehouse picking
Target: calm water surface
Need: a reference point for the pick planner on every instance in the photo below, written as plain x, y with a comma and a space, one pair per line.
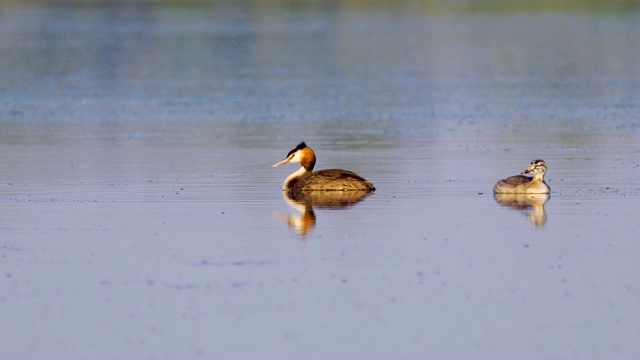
141, 218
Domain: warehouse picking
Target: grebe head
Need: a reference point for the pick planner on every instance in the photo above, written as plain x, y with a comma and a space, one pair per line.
301, 154
536, 167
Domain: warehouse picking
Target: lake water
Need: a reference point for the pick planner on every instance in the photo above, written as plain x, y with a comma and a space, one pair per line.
141, 218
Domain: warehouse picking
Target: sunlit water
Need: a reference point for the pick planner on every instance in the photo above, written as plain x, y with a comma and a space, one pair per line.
141, 217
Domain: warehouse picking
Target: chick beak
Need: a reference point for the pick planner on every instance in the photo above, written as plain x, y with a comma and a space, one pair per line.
525, 172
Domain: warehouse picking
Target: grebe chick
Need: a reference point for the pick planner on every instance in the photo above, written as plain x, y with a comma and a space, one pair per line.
521, 184
305, 179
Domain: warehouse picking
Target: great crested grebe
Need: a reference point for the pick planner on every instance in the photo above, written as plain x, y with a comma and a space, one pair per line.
521, 184
305, 179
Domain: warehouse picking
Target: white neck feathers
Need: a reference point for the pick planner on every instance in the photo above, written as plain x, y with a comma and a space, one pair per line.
299, 173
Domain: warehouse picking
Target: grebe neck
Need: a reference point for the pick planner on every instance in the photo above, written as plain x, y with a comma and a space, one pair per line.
539, 177
293, 177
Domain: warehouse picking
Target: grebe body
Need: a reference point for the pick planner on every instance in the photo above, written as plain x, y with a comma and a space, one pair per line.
521, 184
305, 179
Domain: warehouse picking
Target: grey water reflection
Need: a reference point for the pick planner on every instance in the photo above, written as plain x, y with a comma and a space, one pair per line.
304, 222
531, 205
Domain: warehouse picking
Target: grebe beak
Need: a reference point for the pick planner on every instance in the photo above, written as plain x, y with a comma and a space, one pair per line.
282, 162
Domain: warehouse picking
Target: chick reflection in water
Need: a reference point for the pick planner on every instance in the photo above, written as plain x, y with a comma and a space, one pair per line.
523, 202
305, 189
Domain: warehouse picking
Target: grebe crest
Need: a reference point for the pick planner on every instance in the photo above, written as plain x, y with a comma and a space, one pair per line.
305, 179
521, 184
301, 154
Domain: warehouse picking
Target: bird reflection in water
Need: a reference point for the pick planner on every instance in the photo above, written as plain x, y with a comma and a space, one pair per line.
531, 205
330, 189
305, 202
